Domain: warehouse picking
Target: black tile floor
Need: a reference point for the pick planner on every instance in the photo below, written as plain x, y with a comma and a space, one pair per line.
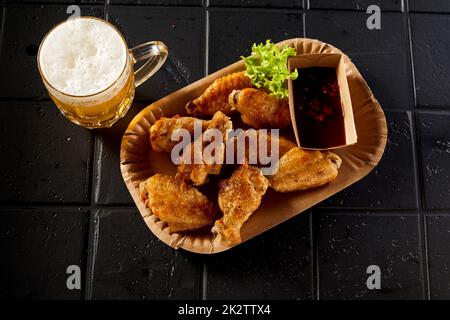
181, 28
132, 264
349, 243
63, 201
252, 25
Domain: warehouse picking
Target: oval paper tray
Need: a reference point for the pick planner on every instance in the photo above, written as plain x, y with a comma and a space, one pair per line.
138, 161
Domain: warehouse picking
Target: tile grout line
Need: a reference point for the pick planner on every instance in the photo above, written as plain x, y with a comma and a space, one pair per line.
91, 240
96, 169
206, 25
93, 234
423, 236
417, 162
414, 131
431, 109
411, 59
26, 100
62, 207
427, 109
306, 6
303, 13
92, 253
105, 10
350, 211
254, 9
346, 10
86, 258
418, 169
204, 286
91, 170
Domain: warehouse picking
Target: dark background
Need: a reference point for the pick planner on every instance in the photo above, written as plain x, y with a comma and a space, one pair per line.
63, 200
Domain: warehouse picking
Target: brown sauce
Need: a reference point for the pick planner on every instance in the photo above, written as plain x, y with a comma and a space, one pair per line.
318, 109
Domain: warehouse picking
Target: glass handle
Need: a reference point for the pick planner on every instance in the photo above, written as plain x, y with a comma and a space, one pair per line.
155, 52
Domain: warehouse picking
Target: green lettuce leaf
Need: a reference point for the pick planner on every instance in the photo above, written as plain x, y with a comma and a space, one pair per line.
267, 68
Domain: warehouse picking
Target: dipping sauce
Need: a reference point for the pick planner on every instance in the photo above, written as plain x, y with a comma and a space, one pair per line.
318, 109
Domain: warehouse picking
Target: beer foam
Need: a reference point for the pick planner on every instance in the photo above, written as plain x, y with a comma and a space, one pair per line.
82, 56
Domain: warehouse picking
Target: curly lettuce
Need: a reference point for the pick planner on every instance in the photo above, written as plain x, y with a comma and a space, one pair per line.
267, 68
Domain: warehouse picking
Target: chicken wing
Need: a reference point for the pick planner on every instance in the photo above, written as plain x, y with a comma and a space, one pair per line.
239, 197
161, 131
244, 150
197, 164
259, 109
215, 97
301, 169
179, 204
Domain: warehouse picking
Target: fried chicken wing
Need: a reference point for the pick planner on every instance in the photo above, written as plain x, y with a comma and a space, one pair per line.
197, 164
301, 169
179, 204
161, 131
251, 151
239, 197
259, 109
215, 97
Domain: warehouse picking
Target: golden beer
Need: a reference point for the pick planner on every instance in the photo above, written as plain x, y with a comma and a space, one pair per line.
87, 69
100, 110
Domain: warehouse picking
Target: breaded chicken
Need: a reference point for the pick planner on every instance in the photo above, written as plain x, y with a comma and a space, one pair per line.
252, 151
301, 169
179, 204
249, 146
197, 165
259, 109
161, 131
239, 197
215, 97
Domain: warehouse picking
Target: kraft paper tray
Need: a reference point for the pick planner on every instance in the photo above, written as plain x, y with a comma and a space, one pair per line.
138, 162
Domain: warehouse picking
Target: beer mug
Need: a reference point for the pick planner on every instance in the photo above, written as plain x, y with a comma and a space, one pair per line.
88, 70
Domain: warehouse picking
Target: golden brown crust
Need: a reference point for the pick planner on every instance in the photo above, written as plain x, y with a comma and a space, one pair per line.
284, 145
198, 172
239, 197
179, 204
161, 131
301, 169
259, 109
215, 97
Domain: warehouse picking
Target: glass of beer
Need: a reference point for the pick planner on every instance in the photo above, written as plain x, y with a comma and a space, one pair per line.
89, 73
